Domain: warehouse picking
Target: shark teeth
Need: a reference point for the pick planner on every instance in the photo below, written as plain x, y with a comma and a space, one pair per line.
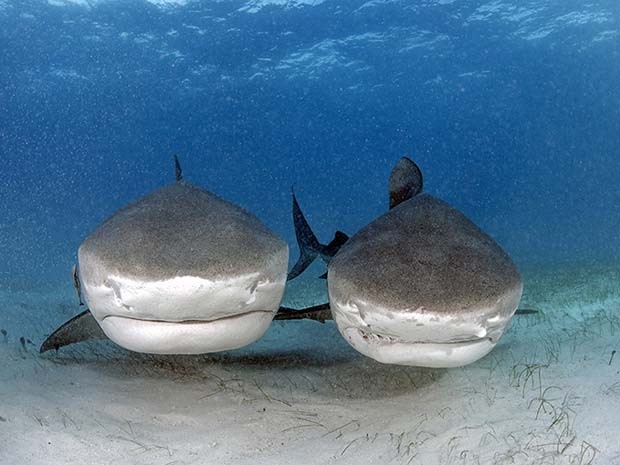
371, 337
376, 338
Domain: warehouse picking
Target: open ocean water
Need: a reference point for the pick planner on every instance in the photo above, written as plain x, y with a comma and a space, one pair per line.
510, 108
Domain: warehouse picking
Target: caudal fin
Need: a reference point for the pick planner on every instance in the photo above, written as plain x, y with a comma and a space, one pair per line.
309, 246
338, 241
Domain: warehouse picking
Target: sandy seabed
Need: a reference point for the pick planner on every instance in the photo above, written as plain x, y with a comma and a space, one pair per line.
549, 393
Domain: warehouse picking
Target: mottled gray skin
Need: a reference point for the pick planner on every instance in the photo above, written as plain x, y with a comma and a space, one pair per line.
424, 256
180, 230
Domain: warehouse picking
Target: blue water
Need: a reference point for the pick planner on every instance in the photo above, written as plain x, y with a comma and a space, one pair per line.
512, 110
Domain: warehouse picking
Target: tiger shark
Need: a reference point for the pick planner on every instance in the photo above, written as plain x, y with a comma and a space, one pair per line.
179, 271
420, 285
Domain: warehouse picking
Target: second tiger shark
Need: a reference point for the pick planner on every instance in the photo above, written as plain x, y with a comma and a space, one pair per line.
421, 285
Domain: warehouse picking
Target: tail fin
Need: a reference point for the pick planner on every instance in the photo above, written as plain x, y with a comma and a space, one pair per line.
334, 246
309, 246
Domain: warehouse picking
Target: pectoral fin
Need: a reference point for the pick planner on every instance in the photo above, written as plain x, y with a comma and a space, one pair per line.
320, 313
82, 327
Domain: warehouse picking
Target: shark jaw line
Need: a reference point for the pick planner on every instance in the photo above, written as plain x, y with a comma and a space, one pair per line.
187, 336
377, 338
390, 350
186, 322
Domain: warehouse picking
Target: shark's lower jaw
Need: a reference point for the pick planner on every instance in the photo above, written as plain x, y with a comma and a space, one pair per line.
186, 337
387, 349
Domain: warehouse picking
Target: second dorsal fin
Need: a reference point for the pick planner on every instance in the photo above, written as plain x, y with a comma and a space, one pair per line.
405, 181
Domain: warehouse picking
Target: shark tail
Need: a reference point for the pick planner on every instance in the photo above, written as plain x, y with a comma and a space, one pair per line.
309, 246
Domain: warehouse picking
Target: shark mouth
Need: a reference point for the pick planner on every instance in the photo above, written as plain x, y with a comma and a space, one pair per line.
392, 350
376, 338
184, 314
418, 336
186, 336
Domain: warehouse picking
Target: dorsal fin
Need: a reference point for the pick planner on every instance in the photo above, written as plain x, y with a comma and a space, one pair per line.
405, 181
178, 172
